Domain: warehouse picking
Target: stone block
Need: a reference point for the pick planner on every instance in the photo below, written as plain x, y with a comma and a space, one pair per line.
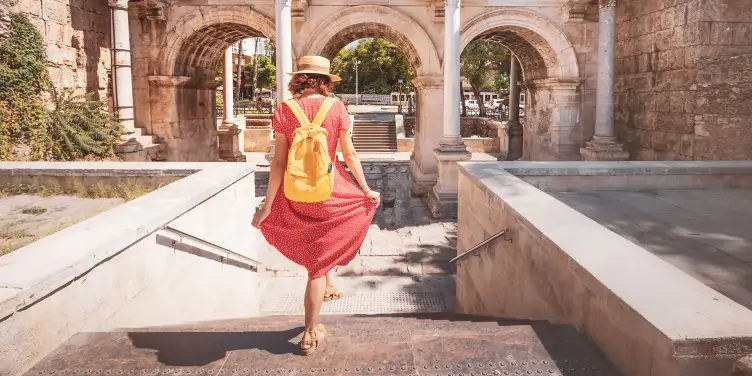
62, 56
721, 33
31, 7
56, 11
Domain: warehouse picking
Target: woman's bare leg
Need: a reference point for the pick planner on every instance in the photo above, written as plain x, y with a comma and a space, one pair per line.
329, 281
314, 298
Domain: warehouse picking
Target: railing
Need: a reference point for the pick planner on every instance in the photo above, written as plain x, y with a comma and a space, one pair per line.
246, 109
208, 246
475, 249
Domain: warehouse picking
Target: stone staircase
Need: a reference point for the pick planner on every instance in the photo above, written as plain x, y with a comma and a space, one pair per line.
375, 136
397, 344
141, 147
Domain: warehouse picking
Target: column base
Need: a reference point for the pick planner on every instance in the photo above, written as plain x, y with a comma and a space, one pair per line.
229, 143
515, 140
422, 182
442, 201
443, 206
604, 149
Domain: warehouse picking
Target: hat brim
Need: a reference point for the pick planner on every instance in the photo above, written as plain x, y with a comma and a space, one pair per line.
332, 77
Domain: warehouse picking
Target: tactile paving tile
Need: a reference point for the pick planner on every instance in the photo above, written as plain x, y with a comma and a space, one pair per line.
374, 303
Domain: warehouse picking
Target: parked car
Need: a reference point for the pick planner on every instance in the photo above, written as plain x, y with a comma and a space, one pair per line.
471, 104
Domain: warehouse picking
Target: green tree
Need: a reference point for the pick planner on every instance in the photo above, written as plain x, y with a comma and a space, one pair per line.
267, 72
381, 67
480, 64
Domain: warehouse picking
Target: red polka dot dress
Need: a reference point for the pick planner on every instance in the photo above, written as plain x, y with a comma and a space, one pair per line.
322, 235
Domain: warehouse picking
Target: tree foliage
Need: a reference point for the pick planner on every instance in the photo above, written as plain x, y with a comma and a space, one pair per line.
267, 73
73, 127
481, 63
381, 67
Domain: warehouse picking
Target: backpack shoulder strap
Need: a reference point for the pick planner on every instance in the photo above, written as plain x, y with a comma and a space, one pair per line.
298, 112
323, 111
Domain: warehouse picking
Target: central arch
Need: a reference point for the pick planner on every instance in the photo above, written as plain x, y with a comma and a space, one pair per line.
380, 22
408, 36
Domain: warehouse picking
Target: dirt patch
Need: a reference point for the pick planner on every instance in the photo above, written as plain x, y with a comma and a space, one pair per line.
25, 219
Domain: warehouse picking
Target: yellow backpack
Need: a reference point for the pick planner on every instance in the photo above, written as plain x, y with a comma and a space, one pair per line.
309, 176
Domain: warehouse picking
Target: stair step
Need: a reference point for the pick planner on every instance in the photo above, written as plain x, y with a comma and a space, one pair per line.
424, 344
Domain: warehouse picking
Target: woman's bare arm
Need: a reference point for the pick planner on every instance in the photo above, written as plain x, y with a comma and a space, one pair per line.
277, 169
352, 160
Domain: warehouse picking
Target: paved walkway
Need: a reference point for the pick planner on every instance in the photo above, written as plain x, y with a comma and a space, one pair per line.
415, 250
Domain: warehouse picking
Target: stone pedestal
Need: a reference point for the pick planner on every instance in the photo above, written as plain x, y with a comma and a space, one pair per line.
604, 149
442, 200
429, 92
229, 143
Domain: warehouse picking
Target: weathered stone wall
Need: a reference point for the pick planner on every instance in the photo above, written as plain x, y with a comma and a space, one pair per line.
77, 34
391, 179
684, 70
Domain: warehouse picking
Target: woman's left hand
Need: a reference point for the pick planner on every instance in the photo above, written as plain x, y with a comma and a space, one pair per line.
260, 216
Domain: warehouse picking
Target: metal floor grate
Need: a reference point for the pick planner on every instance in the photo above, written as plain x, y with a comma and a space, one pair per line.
374, 303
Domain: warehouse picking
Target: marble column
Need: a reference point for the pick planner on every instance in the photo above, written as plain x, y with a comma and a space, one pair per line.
229, 135
514, 128
451, 149
227, 86
603, 146
284, 48
123, 80
429, 91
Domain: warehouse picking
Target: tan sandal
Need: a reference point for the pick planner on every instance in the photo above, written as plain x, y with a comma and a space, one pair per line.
315, 337
332, 294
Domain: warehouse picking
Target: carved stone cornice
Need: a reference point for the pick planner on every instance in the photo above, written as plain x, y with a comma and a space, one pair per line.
560, 83
156, 9
118, 4
298, 10
603, 4
576, 10
428, 82
438, 10
169, 81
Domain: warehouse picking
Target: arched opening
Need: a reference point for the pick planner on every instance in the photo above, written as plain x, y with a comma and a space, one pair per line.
550, 79
370, 21
183, 92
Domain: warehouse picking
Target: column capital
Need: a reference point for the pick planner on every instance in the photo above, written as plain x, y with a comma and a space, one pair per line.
428, 82
603, 4
560, 83
168, 81
118, 4
286, 3
453, 3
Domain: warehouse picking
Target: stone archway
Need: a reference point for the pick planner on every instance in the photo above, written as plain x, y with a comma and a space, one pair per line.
552, 129
376, 21
408, 36
182, 98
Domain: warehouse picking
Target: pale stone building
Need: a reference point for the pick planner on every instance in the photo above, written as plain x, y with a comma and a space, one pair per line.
666, 79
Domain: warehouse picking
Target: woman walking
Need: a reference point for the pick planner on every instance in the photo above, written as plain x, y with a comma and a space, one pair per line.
325, 234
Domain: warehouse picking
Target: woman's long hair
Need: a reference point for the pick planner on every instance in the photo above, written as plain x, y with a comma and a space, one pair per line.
320, 82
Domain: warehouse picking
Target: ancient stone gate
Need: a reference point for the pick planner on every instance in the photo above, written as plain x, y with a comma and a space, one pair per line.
178, 45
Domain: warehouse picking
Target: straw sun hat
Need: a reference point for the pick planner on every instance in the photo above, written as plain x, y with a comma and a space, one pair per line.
315, 65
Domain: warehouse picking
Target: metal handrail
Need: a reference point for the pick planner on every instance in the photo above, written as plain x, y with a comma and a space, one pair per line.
481, 244
212, 245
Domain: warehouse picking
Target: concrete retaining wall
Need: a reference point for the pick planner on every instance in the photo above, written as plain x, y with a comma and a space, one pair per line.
119, 269
647, 316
